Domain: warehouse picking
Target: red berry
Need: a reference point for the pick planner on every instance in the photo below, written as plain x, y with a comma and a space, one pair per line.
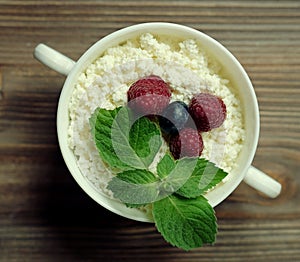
208, 111
187, 143
149, 95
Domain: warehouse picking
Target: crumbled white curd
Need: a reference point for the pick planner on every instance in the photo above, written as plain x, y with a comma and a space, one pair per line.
188, 70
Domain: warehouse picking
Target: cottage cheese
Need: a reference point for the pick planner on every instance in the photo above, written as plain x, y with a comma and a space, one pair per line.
188, 70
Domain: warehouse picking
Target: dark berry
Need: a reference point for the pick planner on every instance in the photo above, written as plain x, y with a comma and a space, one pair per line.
174, 117
188, 143
149, 95
208, 111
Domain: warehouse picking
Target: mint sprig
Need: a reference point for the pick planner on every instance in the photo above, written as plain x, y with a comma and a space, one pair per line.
181, 213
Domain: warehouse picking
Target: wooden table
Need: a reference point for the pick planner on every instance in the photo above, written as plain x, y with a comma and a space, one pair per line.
45, 216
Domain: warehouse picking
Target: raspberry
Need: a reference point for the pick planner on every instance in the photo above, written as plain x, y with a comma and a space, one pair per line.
187, 143
149, 95
208, 111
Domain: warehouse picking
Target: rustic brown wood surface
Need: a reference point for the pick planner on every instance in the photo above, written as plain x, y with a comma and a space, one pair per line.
45, 216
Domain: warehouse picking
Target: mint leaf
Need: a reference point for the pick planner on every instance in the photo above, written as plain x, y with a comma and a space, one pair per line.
165, 166
101, 123
205, 176
135, 187
123, 142
174, 174
145, 139
185, 223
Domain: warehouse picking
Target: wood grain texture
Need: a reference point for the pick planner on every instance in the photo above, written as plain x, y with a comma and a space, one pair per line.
45, 216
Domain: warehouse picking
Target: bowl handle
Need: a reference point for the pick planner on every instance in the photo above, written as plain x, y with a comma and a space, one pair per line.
53, 59
262, 182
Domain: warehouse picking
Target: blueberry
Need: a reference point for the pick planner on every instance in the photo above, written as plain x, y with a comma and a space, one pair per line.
174, 117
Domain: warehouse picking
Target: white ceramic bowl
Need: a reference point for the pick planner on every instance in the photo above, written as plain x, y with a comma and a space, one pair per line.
233, 69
